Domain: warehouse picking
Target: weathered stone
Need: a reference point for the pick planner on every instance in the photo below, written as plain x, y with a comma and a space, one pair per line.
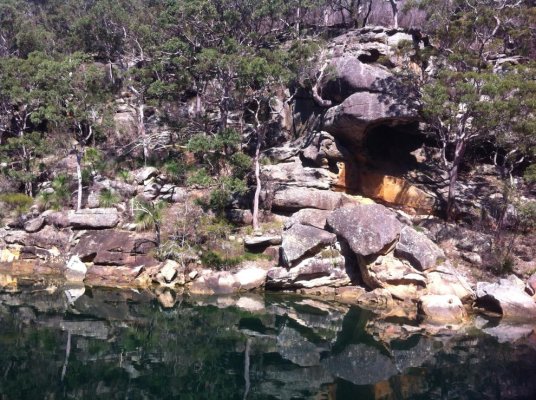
297, 349
394, 275
76, 270
323, 148
143, 174
253, 242
239, 217
113, 276
347, 75
301, 240
97, 218
445, 280
114, 247
211, 282
354, 115
34, 225
295, 174
293, 198
368, 229
249, 278
531, 284
311, 273
420, 251
309, 217
442, 309
169, 270
151, 191
507, 297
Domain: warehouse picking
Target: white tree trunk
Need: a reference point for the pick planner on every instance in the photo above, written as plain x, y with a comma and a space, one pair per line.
79, 155
143, 133
258, 189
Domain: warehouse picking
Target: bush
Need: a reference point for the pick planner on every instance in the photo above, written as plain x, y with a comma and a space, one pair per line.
175, 170
108, 198
527, 216
16, 202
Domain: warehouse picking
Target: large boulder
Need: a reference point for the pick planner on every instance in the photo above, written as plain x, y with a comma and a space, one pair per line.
75, 270
353, 116
398, 277
143, 174
322, 270
294, 198
368, 228
309, 217
445, 280
295, 174
442, 309
347, 75
506, 297
97, 218
322, 148
212, 282
250, 277
113, 247
301, 240
420, 251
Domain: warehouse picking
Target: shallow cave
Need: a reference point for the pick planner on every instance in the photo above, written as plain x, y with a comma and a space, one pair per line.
388, 149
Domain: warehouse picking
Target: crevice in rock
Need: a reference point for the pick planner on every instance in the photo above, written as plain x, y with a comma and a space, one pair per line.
490, 304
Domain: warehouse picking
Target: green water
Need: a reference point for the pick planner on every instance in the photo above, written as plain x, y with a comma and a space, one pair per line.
102, 344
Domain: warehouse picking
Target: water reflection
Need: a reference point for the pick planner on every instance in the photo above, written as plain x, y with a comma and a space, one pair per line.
88, 343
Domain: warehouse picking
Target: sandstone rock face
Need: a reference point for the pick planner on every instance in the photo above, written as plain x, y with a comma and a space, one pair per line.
420, 251
311, 273
293, 198
253, 242
301, 240
169, 270
97, 218
442, 309
295, 174
76, 270
34, 225
143, 174
353, 116
116, 276
444, 280
111, 247
309, 217
347, 75
506, 297
368, 229
250, 278
399, 278
212, 282
323, 147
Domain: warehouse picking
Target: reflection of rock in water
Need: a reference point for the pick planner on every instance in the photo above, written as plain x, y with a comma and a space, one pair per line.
294, 347
361, 365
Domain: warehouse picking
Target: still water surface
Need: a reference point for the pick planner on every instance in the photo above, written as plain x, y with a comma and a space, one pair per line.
102, 344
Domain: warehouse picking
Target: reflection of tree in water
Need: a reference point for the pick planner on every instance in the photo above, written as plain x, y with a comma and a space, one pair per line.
293, 348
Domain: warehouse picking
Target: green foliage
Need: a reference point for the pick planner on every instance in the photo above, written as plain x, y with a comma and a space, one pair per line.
199, 178
148, 214
60, 196
527, 216
217, 261
108, 198
175, 170
17, 202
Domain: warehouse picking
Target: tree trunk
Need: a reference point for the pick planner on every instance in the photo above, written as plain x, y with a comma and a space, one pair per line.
79, 155
394, 6
258, 189
142, 133
453, 178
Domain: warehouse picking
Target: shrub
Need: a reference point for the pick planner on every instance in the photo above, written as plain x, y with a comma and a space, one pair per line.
108, 198
16, 202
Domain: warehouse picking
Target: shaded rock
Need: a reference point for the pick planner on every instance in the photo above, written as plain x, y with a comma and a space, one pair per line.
250, 278
361, 364
301, 240
442, 309
293, 198
151, 191
97, 218
322, 148
34, 225
420, 251
354, 115
506, 297
239, 217
309, 217
368, 229
531, 284
76, 270
297, 349
143, 174
347, 75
